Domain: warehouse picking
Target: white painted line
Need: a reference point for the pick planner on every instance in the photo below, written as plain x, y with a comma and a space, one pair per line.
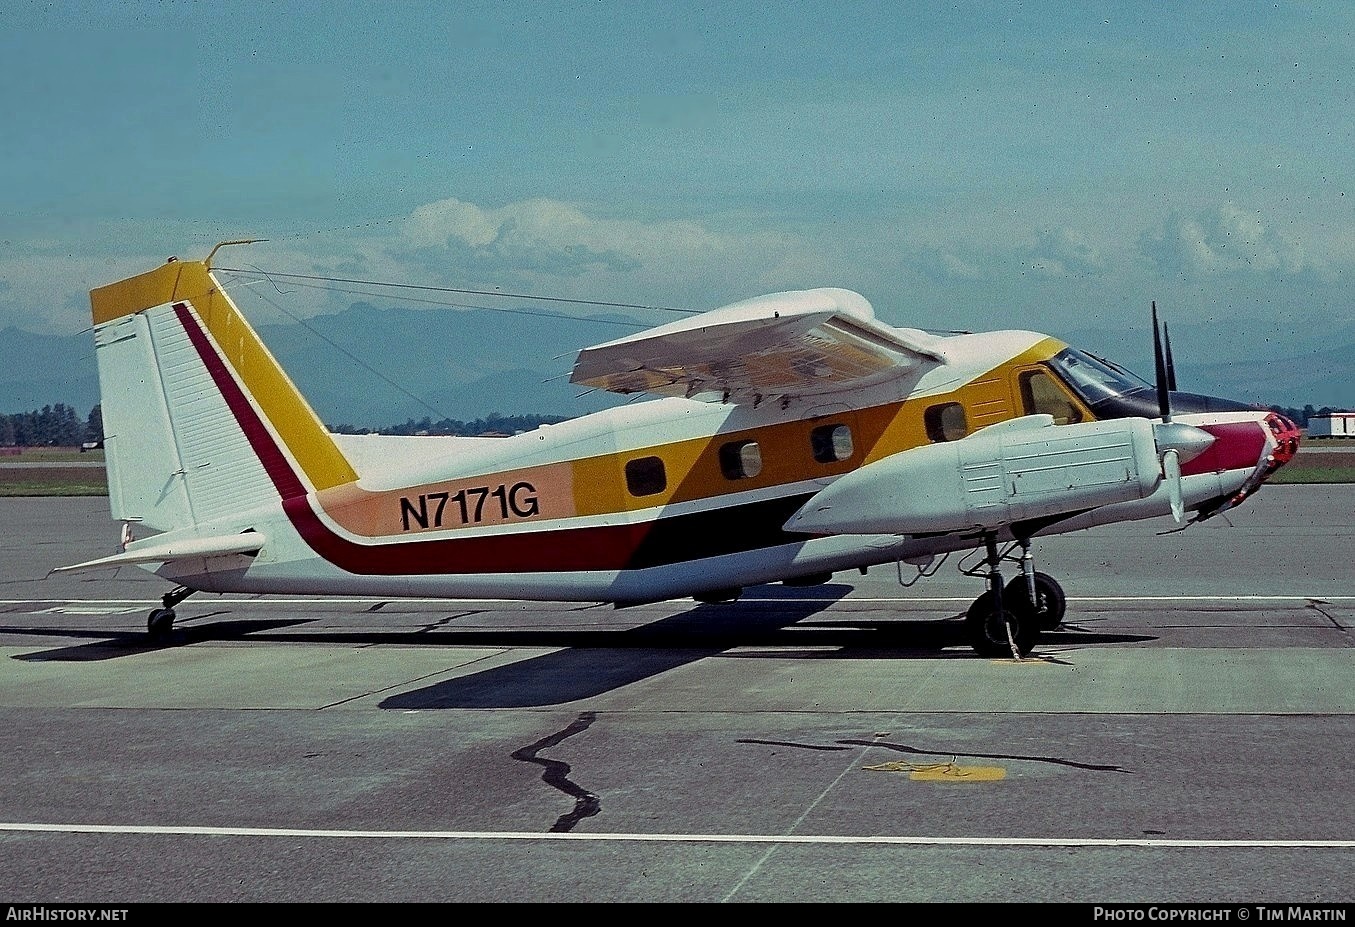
673, 838
1212, 598
1088, 598
154, 602
91, 608
360, 600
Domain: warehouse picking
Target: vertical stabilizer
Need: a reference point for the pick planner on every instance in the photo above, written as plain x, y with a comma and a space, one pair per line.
200, 422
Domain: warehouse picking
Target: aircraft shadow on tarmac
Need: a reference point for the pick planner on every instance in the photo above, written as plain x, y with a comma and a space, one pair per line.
590, 661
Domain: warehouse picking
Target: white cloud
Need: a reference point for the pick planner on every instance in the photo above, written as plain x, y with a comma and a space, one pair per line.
1056, 253
547, 236
542, 246
49, 293
1064, 252
566, 249
1224, 240
943, 264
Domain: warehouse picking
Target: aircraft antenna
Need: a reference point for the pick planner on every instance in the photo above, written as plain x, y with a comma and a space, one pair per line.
223, 244
447, 289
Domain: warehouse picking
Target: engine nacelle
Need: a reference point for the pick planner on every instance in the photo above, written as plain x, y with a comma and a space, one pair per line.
1014, 471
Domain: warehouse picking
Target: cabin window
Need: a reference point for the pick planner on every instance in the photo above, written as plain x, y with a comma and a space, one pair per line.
740, 460
645, 476
945, 422
1042, 396
831, 443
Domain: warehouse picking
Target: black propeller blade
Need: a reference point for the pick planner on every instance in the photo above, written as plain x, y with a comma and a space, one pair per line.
1167, 351
1165, 375
1168, 435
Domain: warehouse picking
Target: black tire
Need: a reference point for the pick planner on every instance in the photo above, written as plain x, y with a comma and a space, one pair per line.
1051, 604
988, 634
160, 623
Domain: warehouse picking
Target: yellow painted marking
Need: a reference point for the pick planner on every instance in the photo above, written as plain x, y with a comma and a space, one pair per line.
135, 294
942, 772
1029, 659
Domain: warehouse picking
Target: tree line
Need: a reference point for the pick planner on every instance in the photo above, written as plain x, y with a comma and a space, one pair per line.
52, 426
58, 425
492, 424
1300, 416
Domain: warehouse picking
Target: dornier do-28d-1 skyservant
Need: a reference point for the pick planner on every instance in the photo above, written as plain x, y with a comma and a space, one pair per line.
794, 436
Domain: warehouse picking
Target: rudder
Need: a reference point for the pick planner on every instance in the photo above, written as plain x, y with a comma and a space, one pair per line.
201, 424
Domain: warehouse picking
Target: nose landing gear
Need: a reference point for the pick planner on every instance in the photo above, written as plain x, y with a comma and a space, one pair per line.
1008, 619
1037, 591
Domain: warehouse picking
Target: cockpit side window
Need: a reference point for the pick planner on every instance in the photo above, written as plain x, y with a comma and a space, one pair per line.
1041, 395
1092, 378
945, 422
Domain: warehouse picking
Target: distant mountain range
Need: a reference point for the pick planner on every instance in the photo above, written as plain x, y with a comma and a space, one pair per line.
41, 370
370, 367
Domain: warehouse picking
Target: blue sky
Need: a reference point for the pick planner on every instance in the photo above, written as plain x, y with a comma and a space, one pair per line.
970, 165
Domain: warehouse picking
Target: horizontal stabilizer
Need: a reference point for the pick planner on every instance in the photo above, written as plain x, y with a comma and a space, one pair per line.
783, 344
185, 549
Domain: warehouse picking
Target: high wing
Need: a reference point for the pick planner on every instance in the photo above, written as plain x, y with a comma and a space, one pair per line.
782, 345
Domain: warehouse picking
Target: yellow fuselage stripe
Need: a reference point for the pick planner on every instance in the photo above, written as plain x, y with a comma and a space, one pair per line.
596, 485
693, 465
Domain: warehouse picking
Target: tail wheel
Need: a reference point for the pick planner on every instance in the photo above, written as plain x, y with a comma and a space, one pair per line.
160, 624
1050, 602
988, 629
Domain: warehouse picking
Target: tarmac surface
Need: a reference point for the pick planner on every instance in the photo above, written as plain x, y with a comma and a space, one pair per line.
1184, 737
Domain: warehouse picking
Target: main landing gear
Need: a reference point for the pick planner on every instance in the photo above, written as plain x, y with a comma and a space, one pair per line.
1008, 618
161, 621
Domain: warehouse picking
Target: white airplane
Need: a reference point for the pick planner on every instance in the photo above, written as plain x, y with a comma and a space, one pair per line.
796, 436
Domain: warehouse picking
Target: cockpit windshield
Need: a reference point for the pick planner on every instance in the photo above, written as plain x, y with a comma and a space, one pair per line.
1094, 378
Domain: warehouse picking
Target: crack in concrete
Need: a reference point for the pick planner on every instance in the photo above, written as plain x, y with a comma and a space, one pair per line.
556, 774
848, 743
1316, 605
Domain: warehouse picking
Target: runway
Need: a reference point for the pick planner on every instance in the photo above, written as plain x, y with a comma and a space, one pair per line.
1183, 738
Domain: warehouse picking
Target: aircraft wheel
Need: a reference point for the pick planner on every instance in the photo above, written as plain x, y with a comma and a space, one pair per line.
1050, 602
988, 633
160, 623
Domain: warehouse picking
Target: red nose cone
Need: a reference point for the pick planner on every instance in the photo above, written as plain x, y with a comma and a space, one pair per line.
1261, 445
1237, 446
1286, 440
1266, 445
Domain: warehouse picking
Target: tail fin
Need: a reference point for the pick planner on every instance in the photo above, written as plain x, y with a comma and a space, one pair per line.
200, 422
